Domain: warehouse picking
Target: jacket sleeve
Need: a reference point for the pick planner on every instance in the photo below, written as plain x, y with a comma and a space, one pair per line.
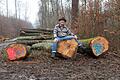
55, 32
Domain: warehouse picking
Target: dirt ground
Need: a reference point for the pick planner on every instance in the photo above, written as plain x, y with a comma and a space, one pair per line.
83, 67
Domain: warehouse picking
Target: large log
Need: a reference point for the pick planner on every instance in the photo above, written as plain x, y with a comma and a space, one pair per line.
67, 48
46, 46
95, 46
31, 42
35, 34
36, 31
15, 52
44, 37
39, 29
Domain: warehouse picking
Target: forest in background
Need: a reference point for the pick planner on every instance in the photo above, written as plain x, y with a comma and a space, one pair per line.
10, 24
86, 18
10, 27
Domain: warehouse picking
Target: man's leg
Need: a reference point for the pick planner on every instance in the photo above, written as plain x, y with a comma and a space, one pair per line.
54, 45
80, 44
54, 49
66, 38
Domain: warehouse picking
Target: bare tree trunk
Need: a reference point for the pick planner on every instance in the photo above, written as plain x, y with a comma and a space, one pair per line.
26, 10
45, 13
62, 10
19, 9
1, 7
7, 7
98, 22
57, 8
75, 10
52, 7
15, 8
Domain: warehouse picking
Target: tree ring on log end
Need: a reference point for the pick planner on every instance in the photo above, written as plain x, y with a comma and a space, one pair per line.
99, 45
15, 51
67, 48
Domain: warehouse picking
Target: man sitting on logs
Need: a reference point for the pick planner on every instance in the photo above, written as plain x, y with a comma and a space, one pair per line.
61, 32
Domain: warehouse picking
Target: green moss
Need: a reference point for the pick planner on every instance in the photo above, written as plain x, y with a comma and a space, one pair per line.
4, 54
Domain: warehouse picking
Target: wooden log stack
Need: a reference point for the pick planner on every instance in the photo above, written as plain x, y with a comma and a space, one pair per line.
32, 36
42, 39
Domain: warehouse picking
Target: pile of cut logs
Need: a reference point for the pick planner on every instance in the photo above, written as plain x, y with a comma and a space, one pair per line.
32, 36
43, 38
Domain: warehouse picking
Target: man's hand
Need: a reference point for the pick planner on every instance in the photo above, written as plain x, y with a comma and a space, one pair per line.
75, 37
56, 40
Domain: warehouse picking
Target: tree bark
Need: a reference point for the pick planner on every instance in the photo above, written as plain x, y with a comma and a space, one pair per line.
94, 46
75, 9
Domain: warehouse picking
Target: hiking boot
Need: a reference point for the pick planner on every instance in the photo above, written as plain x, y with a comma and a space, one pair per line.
55, 58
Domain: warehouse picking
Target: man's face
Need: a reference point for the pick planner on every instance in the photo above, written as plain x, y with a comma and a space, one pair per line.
62, 23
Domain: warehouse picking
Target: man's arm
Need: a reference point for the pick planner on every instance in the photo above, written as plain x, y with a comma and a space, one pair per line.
55, 32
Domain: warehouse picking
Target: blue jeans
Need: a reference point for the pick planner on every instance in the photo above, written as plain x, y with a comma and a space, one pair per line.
55, 44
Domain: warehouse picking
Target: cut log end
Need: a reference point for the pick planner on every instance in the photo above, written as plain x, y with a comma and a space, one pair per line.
99, 45
67, 48
15, 52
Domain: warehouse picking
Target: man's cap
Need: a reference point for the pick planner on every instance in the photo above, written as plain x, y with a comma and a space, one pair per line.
62, 19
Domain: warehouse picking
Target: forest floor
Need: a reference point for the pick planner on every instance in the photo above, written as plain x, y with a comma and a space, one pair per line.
83, 67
